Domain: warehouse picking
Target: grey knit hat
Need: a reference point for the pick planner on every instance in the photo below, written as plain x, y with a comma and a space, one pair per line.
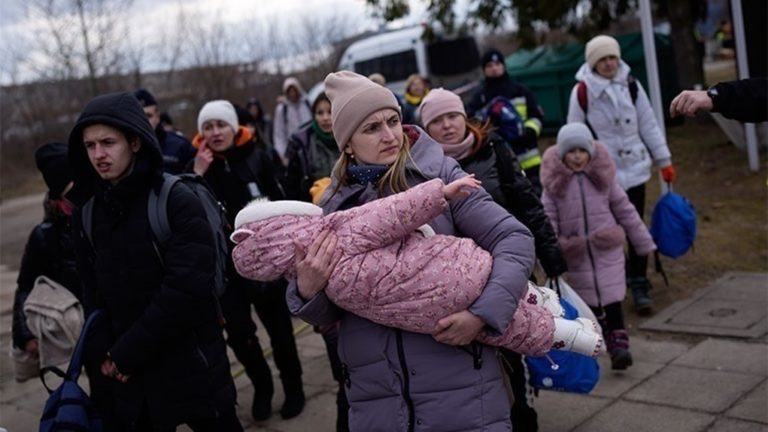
574, 135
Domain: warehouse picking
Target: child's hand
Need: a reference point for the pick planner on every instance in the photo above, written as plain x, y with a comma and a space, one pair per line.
461, 188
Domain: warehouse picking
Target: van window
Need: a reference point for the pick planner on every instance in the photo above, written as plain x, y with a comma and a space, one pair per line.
453, 57
395, 67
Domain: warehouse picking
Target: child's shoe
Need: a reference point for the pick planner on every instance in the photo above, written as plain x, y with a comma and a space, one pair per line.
580, 336
618, 348
546, 298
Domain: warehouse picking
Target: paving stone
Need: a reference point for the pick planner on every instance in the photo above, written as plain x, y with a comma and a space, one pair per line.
731, 425
15, 419
649, 350
740, 286
563, 411
729, 314
615, 383
718, 354
753, 407
639, 417
701, 389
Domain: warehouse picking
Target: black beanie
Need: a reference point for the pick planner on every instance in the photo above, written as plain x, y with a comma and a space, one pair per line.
244, 118
492, 55
52, 161
145, 97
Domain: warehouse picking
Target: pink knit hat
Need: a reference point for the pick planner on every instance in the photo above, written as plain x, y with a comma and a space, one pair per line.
438, 102
353, 98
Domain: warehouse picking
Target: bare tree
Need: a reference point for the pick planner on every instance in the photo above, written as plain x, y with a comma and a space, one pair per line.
79, 38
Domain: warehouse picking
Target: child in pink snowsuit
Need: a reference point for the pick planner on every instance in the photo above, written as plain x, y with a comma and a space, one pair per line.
391, 274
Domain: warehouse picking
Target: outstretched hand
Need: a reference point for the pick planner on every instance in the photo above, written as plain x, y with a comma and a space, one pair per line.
461, 188
690, 102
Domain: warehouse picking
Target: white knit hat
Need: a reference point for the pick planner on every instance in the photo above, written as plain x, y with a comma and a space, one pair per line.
599, 47
218, 110
574, 135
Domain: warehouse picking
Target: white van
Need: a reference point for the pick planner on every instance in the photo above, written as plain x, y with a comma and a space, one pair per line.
447, 62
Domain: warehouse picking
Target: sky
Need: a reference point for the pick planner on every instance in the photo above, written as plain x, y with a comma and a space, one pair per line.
149, 18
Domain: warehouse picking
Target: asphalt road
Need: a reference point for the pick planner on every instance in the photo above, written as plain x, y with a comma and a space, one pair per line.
17, 218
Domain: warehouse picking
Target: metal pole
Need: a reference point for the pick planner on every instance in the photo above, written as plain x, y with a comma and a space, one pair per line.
652, 70
651, 66
741, 62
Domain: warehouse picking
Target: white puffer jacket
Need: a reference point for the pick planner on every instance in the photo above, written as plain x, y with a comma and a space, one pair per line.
628, 130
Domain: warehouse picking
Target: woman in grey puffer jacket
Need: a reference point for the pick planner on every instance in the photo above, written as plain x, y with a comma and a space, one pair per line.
396, 380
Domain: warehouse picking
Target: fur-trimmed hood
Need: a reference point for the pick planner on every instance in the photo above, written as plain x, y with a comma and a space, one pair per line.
555, 175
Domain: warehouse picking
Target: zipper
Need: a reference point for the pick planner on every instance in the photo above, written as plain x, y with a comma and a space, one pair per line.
589, 246
406, 381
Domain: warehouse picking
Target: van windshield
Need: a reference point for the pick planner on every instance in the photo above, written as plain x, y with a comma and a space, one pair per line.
396, 67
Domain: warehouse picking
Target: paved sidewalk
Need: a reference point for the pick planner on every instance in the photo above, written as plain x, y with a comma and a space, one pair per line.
679, 383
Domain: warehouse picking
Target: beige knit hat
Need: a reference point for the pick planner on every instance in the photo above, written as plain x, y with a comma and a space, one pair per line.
218, 110
438, 102
599, 47
353, 98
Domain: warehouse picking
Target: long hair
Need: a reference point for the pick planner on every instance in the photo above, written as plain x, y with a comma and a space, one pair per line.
480, 131
393, 180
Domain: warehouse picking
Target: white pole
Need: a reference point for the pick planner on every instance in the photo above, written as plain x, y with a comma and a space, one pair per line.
652, 70
741, 61
651, 67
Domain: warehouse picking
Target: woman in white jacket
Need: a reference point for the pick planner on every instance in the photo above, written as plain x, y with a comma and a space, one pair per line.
617, 110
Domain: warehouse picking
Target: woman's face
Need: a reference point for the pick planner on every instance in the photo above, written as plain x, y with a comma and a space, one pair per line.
576, 159
417, 87
449, 128
607, 66
218, 135
323, 116
378, 139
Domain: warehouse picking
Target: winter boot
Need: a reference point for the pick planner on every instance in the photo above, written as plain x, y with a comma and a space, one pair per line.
639, 287
294, 397
618, 348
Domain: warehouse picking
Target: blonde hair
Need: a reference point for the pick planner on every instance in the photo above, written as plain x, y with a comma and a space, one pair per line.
393, 180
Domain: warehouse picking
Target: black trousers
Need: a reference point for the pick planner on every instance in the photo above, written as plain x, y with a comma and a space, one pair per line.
269, 302
613, 318
524, 417
636, 264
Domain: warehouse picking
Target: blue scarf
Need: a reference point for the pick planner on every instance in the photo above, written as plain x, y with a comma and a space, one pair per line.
364, 174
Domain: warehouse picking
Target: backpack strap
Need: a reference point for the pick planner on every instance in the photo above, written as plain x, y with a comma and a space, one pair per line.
86, 218
157, 209
76, 362
632, 83
581, 96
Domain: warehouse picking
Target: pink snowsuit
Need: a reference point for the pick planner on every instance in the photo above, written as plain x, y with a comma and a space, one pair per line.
389, 272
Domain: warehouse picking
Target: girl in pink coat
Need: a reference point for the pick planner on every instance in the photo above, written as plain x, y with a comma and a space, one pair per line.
394, 271
590, 213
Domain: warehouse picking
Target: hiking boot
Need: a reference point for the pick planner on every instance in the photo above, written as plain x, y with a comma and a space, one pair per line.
618, 348
261, 408
639, 287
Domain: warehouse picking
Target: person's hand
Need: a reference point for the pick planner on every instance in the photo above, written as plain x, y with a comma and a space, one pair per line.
109, 369
203, 159
32, 348
315, 265
460, 328
461, 188
690, 102
668, 173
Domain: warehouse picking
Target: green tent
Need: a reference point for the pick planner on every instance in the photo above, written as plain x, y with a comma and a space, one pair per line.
549, 72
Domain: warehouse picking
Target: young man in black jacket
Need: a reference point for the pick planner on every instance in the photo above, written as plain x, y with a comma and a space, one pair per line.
158, 357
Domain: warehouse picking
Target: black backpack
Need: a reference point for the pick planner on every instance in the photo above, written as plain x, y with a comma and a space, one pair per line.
157, 212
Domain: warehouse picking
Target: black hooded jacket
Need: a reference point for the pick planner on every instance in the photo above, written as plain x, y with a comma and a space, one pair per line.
496, 166
161, 325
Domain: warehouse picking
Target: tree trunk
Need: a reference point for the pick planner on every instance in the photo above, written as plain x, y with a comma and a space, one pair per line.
689, 64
